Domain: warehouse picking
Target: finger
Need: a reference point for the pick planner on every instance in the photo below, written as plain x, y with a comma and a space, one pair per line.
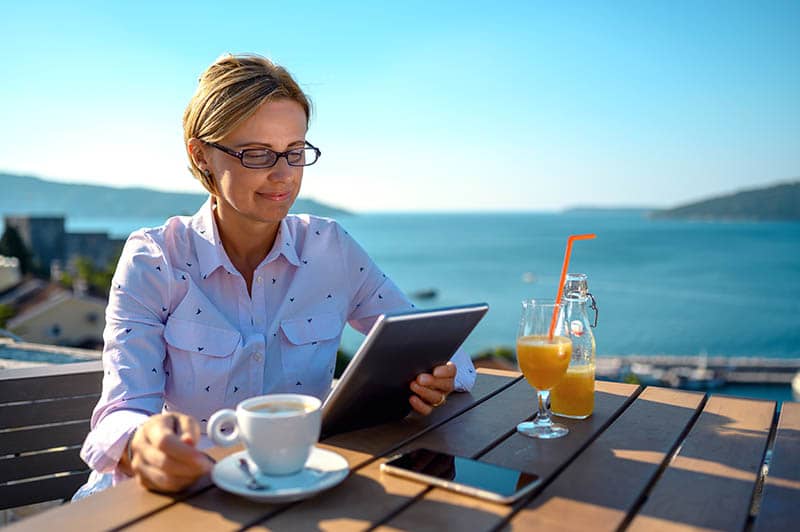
162, 437
189, 429
446, 371
420, 406
425, 379
154, 478
445, 384
428, 395
154, 457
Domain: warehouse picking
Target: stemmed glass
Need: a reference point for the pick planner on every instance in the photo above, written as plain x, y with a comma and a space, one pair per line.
543, 359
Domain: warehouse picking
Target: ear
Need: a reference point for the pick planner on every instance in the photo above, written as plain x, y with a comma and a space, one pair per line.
197, 151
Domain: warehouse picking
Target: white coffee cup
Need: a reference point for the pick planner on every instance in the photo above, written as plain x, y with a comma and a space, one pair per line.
278, 430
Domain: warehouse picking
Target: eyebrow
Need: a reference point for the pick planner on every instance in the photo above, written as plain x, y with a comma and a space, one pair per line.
242, 145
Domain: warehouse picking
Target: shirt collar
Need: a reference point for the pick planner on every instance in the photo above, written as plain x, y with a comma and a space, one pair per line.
210, 253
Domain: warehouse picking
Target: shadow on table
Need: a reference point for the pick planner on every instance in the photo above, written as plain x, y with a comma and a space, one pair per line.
358, 502
380, 439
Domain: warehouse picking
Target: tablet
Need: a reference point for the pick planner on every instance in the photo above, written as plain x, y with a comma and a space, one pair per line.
374, 387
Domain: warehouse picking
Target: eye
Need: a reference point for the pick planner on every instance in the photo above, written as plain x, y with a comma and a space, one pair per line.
295, 156
258, 157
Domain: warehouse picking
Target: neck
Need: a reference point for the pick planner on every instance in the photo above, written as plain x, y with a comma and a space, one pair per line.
246, 241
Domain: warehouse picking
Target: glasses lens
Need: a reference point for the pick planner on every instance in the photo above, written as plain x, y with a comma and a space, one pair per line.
258, 158
302, 157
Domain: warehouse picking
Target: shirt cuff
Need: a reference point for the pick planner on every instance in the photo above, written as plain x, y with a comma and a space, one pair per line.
105, 444
465, 371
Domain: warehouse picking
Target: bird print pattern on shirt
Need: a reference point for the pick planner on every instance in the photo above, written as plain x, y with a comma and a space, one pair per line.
217, 340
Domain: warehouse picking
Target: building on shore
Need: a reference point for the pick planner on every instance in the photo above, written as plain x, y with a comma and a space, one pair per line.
50, 244
45, 312
10, 273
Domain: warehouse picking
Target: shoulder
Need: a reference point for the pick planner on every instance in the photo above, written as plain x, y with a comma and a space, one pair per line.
310, 228
173, 234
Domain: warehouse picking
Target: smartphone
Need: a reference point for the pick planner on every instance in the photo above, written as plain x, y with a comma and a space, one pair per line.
463, 475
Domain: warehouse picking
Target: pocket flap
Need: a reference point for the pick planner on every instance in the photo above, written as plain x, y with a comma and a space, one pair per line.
201, 338
301, 331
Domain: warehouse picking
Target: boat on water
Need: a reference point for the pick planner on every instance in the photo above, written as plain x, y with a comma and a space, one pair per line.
426, 293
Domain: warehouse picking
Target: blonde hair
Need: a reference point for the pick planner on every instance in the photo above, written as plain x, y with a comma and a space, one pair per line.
230, 91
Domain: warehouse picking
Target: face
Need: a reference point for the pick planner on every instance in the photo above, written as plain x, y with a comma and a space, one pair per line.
258, 196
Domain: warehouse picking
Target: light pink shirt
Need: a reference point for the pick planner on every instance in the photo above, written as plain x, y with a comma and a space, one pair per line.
183, 334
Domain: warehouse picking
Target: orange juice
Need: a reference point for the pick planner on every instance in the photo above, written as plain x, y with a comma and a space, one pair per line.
542, 361
573, 396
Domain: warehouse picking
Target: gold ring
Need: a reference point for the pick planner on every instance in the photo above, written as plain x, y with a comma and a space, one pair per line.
441, 401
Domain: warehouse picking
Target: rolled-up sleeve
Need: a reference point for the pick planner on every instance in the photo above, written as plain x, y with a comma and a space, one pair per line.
374, 293
133, 352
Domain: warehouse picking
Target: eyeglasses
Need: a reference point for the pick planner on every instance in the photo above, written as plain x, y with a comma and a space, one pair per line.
266, 158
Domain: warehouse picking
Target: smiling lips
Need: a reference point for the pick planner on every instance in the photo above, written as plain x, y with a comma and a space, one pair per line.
274, 196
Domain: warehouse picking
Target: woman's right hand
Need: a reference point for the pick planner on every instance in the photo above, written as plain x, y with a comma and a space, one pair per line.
164, 457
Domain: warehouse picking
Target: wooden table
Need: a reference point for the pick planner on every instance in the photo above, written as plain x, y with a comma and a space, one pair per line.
648, 459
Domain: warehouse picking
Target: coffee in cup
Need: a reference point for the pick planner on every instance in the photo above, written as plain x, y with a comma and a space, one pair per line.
279, 430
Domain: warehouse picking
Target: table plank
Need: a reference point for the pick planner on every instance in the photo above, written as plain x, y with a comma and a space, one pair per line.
779, 505
220, 511
710, 482
102, 511
369, 496
543, 457
600, 487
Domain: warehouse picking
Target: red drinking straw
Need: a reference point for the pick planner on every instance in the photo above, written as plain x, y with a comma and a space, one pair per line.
564, 267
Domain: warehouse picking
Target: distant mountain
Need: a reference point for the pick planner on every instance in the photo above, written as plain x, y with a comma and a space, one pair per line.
31, 195
777, 202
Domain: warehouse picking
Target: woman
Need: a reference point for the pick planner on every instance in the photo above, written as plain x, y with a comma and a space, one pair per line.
238, 300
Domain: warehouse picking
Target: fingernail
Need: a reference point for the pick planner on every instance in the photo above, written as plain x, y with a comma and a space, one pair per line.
425, 379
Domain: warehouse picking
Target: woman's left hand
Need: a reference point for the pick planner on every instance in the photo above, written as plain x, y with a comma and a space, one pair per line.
431, 391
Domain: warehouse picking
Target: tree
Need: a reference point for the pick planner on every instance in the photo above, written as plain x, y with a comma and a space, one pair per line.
98, 279
11, 245
6, 313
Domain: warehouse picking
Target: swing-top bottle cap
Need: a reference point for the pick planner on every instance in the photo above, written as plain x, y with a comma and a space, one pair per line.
576, 286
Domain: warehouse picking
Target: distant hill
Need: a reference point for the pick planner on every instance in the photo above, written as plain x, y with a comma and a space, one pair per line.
777, 202
31, 195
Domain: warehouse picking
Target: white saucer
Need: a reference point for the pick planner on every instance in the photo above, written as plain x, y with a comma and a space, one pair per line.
323, 470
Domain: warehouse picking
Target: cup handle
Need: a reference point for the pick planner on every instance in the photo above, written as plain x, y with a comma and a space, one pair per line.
214, 428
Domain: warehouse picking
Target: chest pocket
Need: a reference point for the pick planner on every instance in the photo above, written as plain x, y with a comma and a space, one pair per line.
200, 357
309, 344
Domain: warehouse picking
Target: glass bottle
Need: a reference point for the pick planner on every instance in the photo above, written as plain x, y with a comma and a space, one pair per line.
573, 396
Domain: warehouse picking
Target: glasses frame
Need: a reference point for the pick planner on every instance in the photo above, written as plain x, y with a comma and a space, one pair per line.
278, 154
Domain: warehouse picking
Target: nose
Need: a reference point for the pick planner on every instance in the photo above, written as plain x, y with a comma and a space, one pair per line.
282, 172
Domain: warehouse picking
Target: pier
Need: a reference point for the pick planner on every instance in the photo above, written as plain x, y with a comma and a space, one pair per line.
700, 372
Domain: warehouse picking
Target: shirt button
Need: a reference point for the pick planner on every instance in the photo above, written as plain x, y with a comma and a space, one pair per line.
260, 279
257, 357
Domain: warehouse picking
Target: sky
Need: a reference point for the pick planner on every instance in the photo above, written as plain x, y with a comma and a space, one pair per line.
424, 105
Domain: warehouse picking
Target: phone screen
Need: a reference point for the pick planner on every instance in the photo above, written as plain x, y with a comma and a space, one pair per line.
465, 471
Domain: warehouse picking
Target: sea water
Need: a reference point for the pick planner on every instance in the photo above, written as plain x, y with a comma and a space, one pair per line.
662, 286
